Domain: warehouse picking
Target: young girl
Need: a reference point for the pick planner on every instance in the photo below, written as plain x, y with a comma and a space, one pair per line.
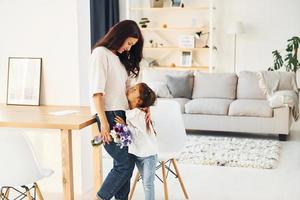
144, 145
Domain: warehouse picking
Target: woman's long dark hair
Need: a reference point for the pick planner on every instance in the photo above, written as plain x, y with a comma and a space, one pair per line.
115, 38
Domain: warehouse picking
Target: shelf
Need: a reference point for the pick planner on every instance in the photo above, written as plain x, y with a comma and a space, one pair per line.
177, 48
200, 68
173, 29
166, 28
171, 8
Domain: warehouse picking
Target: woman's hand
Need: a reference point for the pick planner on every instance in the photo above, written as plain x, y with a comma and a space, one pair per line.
105, 133
104, 129
119, 120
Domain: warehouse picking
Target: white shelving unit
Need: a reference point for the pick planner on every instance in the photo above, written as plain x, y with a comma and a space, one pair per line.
168, 23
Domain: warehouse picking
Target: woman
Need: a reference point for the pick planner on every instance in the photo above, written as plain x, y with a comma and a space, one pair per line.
114, 61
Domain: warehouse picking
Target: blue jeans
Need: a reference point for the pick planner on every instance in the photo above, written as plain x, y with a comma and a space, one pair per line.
117, 182
147, 167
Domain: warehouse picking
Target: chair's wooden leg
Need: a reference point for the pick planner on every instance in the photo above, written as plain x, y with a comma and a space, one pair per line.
163, 167
179, 178
38, 192
137, 176
2, 195
6, 193
28, 195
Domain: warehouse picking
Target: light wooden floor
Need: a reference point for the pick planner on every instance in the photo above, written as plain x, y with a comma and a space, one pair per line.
225, 183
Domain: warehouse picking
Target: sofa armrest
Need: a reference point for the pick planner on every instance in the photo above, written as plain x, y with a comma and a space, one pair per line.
283, 118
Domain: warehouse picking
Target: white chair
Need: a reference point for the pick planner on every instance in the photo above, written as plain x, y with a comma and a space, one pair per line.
19, 169
171, 136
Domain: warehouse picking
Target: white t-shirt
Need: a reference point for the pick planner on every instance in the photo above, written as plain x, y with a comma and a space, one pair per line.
144, 142
108, 76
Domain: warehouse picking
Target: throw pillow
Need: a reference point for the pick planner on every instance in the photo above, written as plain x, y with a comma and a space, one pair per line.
160, 88
179, 86
282, 98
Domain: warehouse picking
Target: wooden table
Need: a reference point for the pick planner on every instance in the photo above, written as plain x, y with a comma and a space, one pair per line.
40, 117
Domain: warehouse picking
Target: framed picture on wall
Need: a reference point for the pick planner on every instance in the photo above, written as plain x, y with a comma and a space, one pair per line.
186, 58
24, 81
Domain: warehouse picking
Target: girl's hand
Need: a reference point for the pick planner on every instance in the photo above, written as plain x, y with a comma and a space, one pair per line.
105, 133
119, 120
147, 116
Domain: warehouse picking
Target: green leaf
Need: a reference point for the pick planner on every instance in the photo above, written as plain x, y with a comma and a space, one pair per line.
296, 45
290, 61
288, 56
289, 48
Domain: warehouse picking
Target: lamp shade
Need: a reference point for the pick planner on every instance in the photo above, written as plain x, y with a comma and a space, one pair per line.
236, 28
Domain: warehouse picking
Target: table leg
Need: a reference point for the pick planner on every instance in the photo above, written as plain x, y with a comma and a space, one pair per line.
97, 162
67, 164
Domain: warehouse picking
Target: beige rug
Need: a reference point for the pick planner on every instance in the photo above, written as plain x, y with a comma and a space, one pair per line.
231, 151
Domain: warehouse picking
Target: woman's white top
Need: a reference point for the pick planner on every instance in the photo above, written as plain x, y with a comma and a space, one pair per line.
144, 142
108, 76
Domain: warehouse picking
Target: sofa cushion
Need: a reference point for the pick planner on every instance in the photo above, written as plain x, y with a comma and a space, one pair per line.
179, 86
181, 101
214, 85
155, 74
250, 108
160, 88
248, 86
210, 106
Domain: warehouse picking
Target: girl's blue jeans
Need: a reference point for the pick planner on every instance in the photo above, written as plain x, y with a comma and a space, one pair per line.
147, 168
117, 182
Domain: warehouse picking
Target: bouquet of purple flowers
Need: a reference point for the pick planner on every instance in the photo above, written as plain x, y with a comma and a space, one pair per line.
120, 134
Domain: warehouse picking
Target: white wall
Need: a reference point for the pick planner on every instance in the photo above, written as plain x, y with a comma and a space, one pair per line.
267, 23
57, 31
84, 40
44, 29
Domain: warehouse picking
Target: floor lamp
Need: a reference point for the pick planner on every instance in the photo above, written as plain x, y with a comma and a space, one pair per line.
235, 28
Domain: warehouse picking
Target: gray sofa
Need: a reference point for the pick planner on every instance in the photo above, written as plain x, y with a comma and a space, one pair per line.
221, 101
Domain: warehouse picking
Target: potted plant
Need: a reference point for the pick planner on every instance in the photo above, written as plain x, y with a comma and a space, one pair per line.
290, 61
144, 21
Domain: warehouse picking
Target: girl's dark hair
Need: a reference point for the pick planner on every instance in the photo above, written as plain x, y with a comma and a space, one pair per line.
147, 95
115, 38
